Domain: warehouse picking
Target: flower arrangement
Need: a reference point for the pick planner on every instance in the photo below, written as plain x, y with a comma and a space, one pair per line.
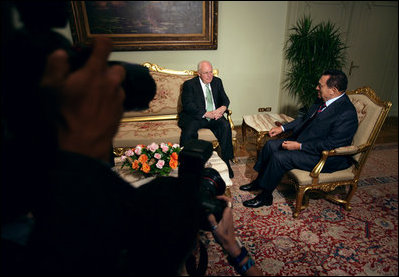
153, 159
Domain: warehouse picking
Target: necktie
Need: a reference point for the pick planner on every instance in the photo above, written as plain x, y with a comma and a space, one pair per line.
209, 100
321, 108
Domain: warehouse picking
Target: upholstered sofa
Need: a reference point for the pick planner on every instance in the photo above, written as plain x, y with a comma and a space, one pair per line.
159, 122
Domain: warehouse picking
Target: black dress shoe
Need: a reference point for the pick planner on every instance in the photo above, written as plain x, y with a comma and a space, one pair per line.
254, 185
259, 201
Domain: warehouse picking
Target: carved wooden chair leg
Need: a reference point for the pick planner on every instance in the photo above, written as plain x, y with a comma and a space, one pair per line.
299, 200
235, 145
244, 133
259, 140
352, 190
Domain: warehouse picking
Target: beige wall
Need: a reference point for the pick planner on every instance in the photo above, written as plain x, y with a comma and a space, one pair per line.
249, 55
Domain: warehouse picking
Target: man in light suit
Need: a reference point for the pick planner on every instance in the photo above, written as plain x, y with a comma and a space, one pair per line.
330, 125
204, 102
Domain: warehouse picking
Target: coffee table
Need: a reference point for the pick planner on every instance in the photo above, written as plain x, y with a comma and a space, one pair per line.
137, 180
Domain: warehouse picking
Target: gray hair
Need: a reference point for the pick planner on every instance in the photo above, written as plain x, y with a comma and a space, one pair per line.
201, 62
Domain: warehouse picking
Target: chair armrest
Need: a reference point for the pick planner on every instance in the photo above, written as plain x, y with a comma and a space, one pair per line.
340, 151
229, 112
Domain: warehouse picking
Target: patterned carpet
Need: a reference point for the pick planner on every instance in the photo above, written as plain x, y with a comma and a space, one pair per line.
325, 239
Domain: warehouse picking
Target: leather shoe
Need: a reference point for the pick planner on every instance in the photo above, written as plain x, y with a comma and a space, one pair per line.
259, 201
254, 185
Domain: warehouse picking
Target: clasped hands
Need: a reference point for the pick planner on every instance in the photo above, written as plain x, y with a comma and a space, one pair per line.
216, 114
287, 144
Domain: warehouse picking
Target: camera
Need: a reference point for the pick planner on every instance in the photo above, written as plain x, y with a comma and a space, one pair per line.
207, 181
139, 86
36, 40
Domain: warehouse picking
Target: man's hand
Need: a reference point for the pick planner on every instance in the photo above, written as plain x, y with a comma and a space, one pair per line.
291, 145
91, 100
210, 115
218, 113
275, 131
224, 233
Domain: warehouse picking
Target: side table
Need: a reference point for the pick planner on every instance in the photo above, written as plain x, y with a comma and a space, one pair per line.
260, 124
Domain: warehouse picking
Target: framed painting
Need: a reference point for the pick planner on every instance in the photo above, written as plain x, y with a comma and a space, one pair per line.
146, 25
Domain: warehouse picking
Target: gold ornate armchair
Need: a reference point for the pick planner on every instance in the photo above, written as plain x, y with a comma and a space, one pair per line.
372, 113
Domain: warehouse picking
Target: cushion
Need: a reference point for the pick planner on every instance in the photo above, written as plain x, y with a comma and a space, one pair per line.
366, 109
303, 178
132, 133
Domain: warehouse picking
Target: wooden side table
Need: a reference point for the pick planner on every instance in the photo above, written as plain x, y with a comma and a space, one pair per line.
260, 124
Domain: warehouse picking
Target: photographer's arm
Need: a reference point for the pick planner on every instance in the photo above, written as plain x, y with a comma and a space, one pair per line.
90, 99
224, 235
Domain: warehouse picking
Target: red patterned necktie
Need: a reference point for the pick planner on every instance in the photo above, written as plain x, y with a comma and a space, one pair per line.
322, 106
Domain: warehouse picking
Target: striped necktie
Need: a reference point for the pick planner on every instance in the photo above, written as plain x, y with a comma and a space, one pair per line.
321, 108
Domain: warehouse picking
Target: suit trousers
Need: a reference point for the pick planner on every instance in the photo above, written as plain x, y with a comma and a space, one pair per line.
220, 128
274, 161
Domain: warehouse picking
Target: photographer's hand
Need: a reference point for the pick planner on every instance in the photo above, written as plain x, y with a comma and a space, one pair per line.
224, 234
91, 100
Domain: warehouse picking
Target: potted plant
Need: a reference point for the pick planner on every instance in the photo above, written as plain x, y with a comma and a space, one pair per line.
309, 51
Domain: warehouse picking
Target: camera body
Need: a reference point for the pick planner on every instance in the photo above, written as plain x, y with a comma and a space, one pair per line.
139, 86
36, 40
206, 181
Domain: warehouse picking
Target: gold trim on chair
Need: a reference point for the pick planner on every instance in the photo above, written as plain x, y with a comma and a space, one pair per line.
157, 68
326, 183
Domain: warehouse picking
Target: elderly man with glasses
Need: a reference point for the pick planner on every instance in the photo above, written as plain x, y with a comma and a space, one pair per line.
204, 102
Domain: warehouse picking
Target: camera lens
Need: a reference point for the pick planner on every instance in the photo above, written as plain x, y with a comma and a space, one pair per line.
139, 86
212, 185
212, 180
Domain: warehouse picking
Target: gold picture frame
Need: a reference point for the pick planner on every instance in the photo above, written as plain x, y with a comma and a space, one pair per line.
146, 25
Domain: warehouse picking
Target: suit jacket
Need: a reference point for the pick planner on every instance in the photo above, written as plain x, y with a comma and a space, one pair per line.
334, 127
193, 100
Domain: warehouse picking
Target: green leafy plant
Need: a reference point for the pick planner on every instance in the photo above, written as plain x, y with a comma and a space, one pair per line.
310, 50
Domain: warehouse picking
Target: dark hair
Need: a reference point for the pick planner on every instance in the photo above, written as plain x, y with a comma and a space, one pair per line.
337, 79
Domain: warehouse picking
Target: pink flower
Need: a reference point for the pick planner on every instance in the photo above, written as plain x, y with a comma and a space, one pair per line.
165, 148
160, 164
162, 145
152, 147
129, 153
137, 150
157, 156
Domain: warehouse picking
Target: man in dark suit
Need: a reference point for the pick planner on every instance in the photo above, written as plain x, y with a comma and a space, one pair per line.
204, 102
327, 126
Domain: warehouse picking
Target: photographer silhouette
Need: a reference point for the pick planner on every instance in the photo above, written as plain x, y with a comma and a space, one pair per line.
70, 213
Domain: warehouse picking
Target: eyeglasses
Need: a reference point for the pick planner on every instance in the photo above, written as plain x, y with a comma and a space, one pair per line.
206, 73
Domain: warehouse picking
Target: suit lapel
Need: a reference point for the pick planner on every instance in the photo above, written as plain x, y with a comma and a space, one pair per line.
200, 95
331, 108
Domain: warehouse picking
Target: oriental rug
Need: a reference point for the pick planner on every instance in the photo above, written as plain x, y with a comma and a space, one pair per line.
324, 239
